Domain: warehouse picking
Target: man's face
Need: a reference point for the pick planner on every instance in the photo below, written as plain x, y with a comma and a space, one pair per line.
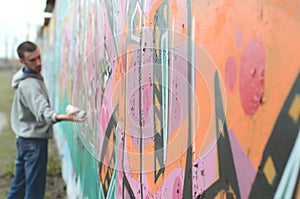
32, 60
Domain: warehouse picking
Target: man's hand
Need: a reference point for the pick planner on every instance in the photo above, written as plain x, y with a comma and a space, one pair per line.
70, 116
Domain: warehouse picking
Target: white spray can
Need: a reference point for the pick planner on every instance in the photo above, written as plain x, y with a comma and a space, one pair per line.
80, 114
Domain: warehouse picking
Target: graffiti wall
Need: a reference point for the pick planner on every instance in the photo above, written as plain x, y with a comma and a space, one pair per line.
185, 99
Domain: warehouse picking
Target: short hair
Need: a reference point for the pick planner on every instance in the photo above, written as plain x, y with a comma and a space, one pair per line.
26, 46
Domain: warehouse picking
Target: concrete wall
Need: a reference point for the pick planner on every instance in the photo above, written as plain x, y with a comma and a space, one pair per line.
185, 99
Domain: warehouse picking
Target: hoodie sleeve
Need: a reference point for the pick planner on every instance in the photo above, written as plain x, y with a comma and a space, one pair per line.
37, 101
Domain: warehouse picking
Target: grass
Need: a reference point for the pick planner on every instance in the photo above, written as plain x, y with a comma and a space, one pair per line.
7, 141
8, 145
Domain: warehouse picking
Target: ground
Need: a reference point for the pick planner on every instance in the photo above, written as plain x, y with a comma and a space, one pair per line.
55, 186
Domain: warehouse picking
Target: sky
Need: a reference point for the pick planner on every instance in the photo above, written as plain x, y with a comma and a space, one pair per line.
19, 21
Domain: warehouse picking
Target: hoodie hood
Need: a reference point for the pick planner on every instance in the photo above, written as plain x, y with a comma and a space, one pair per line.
21, 75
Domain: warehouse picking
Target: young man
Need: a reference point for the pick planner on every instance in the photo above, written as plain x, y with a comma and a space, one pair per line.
31, 119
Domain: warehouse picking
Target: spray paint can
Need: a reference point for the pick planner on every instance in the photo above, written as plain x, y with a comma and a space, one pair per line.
81, 114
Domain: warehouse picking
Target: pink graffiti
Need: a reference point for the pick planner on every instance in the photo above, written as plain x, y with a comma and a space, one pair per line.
252, 76
238, 37
244, 168
230, 73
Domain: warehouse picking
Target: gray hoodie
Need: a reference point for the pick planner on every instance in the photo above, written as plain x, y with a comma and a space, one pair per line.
31, 114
